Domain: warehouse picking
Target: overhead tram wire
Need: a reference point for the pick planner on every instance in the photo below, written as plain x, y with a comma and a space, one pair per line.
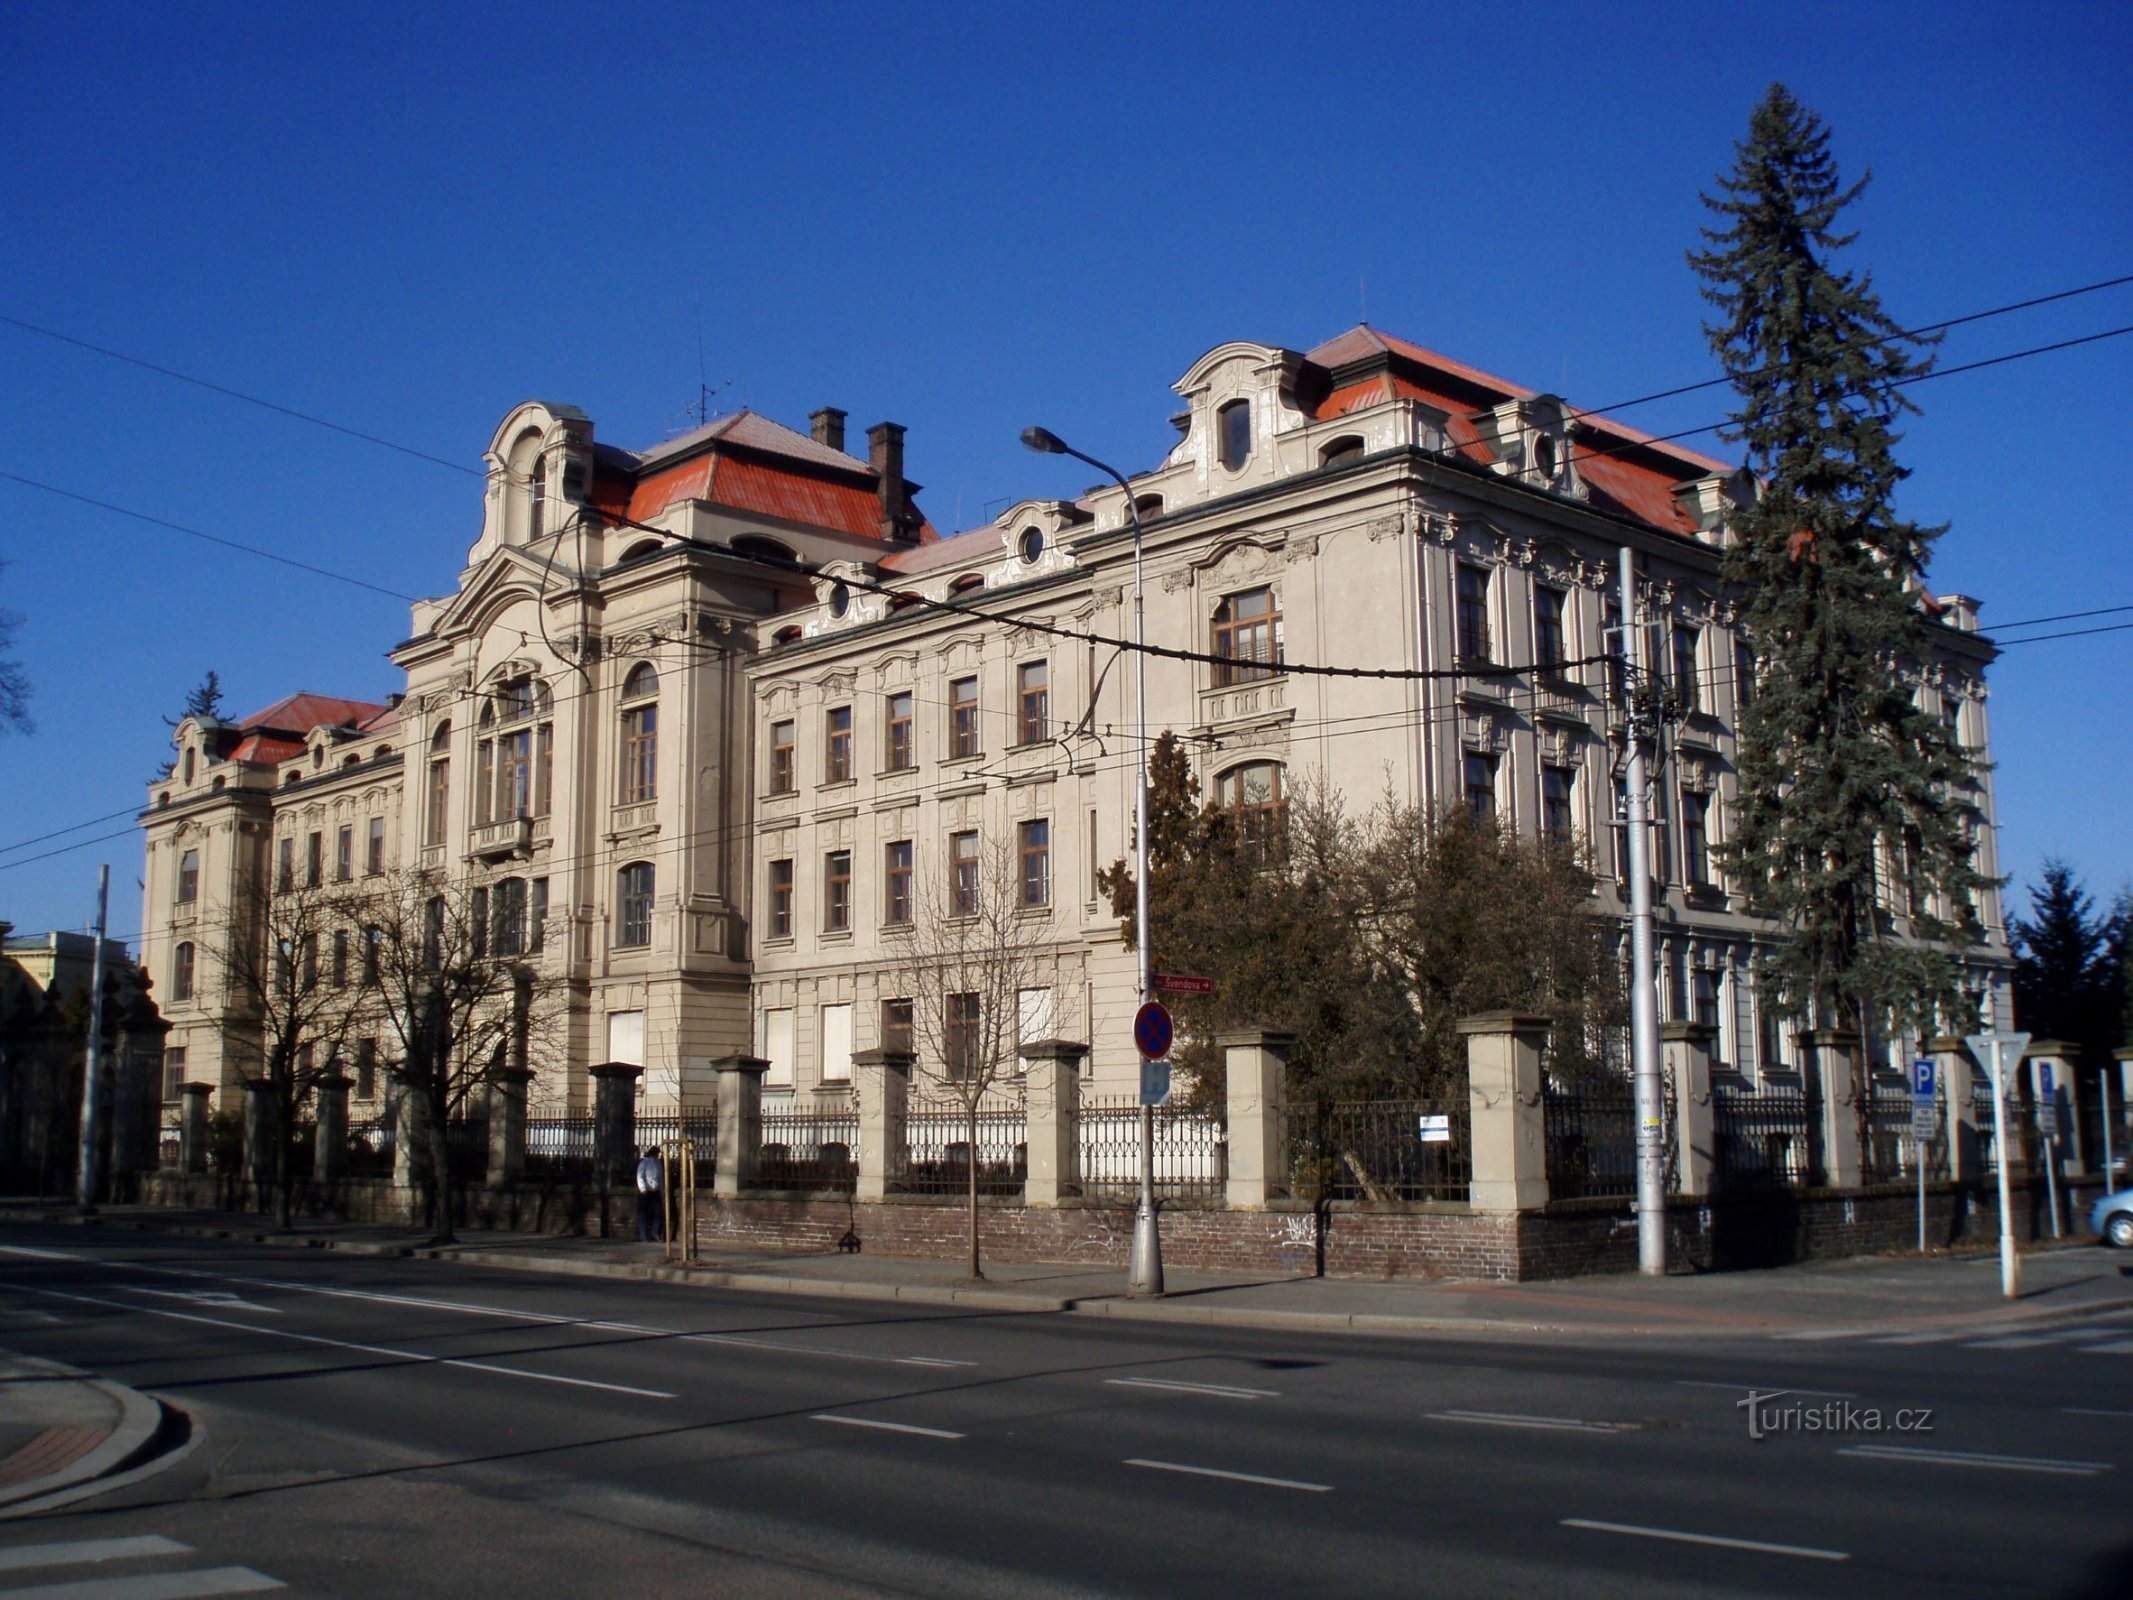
109, 816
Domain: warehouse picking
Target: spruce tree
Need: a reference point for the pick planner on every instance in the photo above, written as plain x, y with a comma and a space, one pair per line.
1852, 819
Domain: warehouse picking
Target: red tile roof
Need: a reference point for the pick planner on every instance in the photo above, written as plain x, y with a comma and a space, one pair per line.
299, 713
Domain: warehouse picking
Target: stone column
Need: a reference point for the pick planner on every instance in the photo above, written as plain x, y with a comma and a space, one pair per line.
2121, 1124
1052, 1092
259, 1132
615, 1121
1958, 1098
411, 1137
884, 1104
1254, 1060
2054, 1059
1685, 1055
1503, 1070
1831, 1060
329, 1155
192, 1128
507, 1126
137, 1106
740, 1123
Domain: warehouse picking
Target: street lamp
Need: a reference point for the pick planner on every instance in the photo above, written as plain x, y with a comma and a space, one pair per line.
1145, 1275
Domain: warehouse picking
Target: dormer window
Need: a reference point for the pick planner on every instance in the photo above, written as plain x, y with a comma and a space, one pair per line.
1030, 545
840, 600
536, 501
1233, 433
189, 764
1545, 460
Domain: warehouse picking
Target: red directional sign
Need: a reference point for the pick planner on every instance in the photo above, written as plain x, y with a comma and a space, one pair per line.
1176, 983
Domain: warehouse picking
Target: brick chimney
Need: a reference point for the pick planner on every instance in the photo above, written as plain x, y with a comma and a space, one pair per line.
885, 449
829, 427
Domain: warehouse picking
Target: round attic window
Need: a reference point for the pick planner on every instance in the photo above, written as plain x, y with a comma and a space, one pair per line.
840, 600
1544, 455
1031, 545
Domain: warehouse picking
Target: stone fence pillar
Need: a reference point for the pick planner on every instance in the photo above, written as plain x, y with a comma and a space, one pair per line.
411, 1134
1254, 1061
259, 1131
1052, 1095
884, 1111
1958, 1097
2052, 1060
1830, 1057
2121, 1100
1503, 1071
1685, 1056
329, 1156
740, 1123
192, 1128
507, 1126
137, 1103
615, 1122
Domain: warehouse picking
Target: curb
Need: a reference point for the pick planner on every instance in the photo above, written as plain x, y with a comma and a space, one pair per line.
139, 1419
1108, 1305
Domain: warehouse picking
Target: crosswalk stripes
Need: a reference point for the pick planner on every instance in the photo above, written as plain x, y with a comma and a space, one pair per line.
55, 1569
2082, 1337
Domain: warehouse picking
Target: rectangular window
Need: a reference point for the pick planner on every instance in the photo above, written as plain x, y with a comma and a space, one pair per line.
484, 783
373, 940
344, 851
783, 774
962, 718
640, 754
1743, 676
1035, 854
537, 917
960, 1037
836, 1044
314, 860
1480, 781
439, 800
963, 874
837, 745
1695, 856
544, 769
374, 860
285, 864
478, 920
1662, 835
837, 891
896, 882
309, 946
780, 920
188, 877
1548, 628
775, 1046
366, 1069
1247, 636
633, 920
340, 958
1687, 689
1034, 699
514, 775
1473, 613
898, 744
1703, 996
1620, 830
509, 906
896, 1026
174, 1072
1556, 788
181, 972
1617, 644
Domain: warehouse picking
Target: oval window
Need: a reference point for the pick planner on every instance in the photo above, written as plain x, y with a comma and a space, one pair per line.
840, 600
1031, 545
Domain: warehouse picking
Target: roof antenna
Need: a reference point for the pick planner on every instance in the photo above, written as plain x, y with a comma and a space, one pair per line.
1362, 295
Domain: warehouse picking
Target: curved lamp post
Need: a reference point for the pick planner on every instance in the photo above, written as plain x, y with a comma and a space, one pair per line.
1145, 1276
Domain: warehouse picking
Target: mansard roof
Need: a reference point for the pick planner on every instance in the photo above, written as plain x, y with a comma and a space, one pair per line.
278, 732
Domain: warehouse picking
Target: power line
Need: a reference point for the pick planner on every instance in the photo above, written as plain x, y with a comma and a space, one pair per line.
2064, 616
24, 844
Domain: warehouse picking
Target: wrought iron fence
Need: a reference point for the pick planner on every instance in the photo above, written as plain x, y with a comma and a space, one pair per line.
370, 1146
1379, 1150
699, 1128
1590, 1130
1889, 1151
466, 1142
1764, 1139
561, 1147
809, 1150
1191, 1151
937, 1148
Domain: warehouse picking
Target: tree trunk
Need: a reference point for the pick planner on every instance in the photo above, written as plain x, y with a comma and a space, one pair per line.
440, 1173
284, 1137
970, 1134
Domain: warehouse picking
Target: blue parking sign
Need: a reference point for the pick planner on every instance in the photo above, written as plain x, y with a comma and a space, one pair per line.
1922, 1084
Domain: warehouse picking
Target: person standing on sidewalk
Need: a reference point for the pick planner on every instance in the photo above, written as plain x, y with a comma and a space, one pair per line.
651, 1215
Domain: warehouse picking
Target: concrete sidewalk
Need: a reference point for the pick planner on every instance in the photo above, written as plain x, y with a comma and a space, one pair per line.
1893, 1293
62, 1429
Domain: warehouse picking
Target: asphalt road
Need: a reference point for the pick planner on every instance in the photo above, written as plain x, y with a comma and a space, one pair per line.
386, 1427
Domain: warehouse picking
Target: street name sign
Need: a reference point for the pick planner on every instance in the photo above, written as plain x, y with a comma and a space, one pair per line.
1178, 983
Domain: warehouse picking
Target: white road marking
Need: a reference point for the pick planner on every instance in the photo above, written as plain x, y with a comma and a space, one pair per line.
2121, 1347
932, 1361
1965, 1458
1944, 1336
32, 1314
1512, 1419
2093, 1411
78, 1552
1232, 1477
1828, 1333
41, 1255
1806, 1552
196, 1585
885, 1427
1226, 1391
204, 1297
1757, 1388
2019, 1342
365, 1349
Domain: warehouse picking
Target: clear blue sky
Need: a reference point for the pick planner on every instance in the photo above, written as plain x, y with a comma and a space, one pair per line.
408, 218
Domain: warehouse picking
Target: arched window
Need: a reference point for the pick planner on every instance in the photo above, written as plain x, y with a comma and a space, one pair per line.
756, 547
515, 755
523, 508
967, 582
189, 753
1150, 506
1247, 635
1253, 794
633, 906
1348, 447
181, 973
440, 785
1233, 433
640, 736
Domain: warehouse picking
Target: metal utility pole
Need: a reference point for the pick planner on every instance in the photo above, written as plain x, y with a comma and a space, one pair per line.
1643, 1009
1992, 1047
92, 1089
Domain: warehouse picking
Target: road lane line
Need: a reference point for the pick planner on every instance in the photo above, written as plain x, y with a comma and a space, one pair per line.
1806, 1552
41, 1255
2093, 1411
1226, 1391
1232, 1477
1965, 1458
885, 1427
77, 1552
203, 1297
1512, 1419
196, 1585
1757, 1388
2121, 1347
2019, 1342
365, 1349
930, 1361
1943, 1336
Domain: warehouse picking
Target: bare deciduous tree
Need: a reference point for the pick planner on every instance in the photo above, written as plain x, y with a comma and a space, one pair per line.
978, 937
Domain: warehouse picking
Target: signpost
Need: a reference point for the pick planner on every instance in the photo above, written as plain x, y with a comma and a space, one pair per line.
2048, 1131
1924, 1092
1992, 1048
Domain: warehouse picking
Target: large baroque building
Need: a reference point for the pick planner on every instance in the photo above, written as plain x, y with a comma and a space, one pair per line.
707, 787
